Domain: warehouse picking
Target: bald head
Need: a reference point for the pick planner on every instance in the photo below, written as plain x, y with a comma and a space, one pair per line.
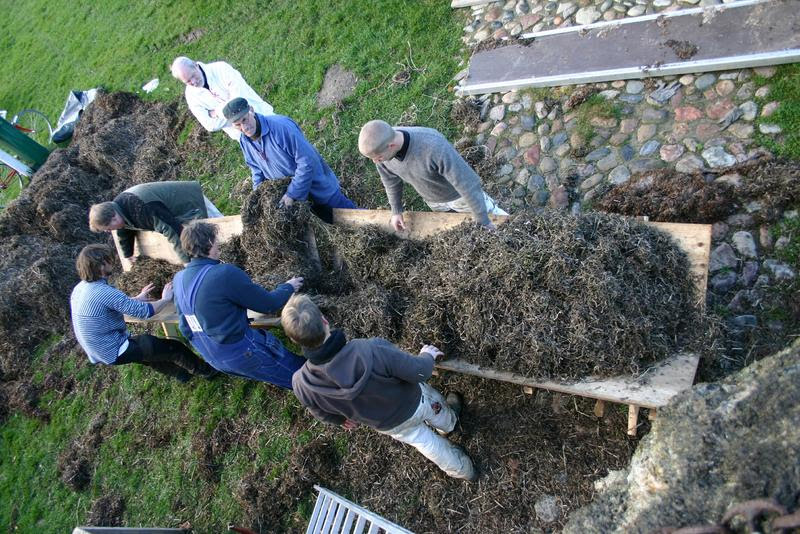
187, 71
377, 138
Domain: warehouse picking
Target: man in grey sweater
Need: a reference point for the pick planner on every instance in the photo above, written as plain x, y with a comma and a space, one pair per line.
371, 381
425, 159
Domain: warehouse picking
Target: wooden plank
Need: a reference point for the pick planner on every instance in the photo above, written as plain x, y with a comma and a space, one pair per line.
157, 246
654, 389
169, 316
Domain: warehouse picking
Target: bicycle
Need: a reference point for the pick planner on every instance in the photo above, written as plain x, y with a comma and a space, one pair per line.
35, 125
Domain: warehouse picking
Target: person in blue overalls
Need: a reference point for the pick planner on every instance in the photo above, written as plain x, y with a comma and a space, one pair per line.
212, 299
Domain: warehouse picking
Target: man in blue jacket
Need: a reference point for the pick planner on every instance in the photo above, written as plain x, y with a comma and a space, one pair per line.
274, 147
212, 299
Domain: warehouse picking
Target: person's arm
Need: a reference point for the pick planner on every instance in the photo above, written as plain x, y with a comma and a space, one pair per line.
204, 115
252, 296
255, 169
393, 185
119, 301
454, 169
307, 161
165, 223
127, 238
405, 366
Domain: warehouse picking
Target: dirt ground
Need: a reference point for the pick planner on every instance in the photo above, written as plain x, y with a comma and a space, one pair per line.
339, 83
526, 447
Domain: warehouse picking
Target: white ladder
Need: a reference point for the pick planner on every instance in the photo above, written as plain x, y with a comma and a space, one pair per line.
334, 514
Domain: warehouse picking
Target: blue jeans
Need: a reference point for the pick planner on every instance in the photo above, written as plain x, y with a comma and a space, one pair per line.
325, 211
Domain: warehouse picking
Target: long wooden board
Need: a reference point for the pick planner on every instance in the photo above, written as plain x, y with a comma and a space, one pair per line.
652, 390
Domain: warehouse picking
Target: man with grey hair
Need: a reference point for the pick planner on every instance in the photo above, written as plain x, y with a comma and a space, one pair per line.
209, 86
425, 159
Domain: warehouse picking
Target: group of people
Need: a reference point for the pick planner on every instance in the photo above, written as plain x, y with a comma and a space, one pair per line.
361, 381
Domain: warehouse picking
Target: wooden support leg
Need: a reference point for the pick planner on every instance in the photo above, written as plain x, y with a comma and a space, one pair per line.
527, 390
171, 330
600, 408
633, 419
652, 413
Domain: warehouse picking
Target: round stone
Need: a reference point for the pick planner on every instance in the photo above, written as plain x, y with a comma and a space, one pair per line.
634, 87
705, 81
547, 165
690, 164
649, 147
527, 140
725, 87
671, 152
717, 157
497, 113
587, 15
769, 129
619, 175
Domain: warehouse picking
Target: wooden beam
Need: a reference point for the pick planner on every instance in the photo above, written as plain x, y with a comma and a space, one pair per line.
662, 382
168, 316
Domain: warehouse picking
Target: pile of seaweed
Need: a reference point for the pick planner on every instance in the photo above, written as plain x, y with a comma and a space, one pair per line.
670, 196
547, 295
120, 141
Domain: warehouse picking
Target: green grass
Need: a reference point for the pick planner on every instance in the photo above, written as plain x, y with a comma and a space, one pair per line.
595, 106
283, 49
784, 88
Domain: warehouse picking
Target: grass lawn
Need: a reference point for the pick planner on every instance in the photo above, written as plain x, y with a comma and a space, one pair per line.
148, 454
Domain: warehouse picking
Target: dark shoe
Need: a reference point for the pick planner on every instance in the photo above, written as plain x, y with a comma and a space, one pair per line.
208, 374
456, 402
182, 377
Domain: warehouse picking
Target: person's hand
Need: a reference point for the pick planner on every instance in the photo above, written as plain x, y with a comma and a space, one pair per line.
489, 227
349, 424
295, 282
212, 113
144, 294
430, 349
398, 223
167, 292
132, 259
286, 201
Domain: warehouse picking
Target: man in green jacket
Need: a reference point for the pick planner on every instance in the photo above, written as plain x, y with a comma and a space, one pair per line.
162, 207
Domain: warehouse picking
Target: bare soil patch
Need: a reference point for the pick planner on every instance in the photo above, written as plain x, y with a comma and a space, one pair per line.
339, 83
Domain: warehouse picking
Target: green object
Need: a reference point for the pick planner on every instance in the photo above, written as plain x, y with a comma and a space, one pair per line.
20, 145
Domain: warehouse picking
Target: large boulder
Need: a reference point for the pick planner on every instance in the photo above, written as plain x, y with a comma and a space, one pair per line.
714, 446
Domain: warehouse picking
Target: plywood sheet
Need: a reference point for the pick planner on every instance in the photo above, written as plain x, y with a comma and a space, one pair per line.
764, 30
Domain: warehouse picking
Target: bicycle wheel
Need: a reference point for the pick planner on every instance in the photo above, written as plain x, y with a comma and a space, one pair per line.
35, 125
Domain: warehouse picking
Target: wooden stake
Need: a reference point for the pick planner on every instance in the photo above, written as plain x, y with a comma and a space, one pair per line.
527, 390
652, 413
600, 408
633, 419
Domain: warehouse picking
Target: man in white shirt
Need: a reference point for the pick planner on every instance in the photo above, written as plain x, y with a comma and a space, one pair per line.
209, 86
